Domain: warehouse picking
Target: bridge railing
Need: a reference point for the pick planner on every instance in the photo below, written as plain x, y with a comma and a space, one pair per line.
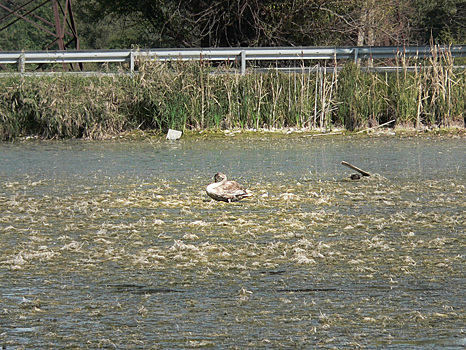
239, 55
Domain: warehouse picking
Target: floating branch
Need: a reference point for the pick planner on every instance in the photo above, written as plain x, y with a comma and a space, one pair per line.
363, 173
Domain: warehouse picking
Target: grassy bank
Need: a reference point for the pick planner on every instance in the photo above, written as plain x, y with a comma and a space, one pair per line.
188, 96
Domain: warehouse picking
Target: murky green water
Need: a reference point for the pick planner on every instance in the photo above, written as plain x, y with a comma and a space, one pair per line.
115, 244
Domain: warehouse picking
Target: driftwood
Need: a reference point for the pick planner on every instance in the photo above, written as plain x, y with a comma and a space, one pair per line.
324, 134
362, 172
376, 127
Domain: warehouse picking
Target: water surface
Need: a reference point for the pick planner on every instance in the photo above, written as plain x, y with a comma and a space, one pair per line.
114, 244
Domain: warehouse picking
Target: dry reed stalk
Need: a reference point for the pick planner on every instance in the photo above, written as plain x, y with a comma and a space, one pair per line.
314, 121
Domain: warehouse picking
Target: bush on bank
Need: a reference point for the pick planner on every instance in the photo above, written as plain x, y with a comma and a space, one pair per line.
182, 95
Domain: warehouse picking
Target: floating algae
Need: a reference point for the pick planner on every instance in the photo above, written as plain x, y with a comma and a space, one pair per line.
123, 252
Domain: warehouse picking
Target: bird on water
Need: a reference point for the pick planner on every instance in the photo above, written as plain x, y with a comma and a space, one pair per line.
227, 191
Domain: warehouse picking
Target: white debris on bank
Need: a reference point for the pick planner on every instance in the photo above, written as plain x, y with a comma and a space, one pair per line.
173, 134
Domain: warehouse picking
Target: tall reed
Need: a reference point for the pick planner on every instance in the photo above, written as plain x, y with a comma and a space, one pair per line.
197, 95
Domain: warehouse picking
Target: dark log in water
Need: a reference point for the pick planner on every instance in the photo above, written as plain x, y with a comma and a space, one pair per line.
363, 172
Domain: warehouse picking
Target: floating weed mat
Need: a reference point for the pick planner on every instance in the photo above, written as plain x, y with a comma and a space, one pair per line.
341, 262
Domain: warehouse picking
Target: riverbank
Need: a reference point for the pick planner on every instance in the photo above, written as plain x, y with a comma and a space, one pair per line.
190, 97
400, 131
159, 136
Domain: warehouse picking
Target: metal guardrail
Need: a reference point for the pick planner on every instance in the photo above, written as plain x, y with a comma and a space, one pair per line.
240, 55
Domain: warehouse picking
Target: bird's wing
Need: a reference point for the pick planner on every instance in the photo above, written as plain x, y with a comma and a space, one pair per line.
234, 188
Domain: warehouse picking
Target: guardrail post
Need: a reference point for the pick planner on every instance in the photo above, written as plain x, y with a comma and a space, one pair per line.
22, 63
356, 51
131, 62
243, 62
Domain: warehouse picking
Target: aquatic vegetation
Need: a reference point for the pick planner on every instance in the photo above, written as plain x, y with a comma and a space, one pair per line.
325, 262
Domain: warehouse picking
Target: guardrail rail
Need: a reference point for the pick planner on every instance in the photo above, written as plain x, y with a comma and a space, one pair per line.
239, 55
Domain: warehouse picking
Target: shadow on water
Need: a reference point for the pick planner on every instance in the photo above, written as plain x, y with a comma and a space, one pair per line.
140, 289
